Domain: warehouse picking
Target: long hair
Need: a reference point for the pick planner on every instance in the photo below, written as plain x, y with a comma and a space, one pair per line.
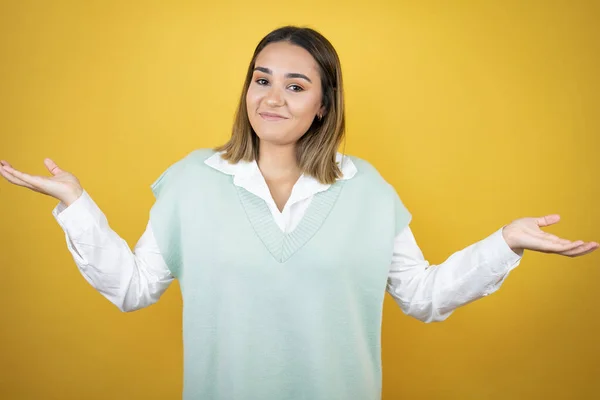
316, 150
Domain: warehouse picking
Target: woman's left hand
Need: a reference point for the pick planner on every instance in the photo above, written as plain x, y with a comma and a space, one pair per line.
525, 234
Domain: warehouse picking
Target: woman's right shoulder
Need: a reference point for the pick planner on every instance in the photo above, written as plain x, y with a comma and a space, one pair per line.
193, 161
201, 154
196, 157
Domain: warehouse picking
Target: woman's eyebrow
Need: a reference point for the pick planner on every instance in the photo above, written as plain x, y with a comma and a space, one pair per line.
288, 75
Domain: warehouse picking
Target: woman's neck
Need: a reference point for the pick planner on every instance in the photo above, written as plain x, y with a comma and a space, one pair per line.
278, 163
280, 169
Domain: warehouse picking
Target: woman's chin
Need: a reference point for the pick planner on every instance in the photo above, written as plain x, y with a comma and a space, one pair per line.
276, 138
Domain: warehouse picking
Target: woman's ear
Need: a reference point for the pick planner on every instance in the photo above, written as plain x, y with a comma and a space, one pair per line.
321, 112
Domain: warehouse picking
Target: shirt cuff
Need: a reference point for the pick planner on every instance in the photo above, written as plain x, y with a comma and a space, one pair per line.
77, 218
498, 254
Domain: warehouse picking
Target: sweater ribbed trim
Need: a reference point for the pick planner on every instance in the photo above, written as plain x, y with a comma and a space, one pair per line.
283, 245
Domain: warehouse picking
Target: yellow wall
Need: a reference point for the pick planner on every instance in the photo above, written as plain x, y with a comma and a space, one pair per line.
477, 112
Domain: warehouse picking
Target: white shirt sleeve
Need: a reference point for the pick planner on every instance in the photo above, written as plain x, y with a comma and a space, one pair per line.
431, 293
130, 280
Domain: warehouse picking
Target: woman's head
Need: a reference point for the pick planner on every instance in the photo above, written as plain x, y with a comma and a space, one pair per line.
292, 95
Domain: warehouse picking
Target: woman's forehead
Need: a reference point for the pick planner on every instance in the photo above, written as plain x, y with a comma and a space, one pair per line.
284, 57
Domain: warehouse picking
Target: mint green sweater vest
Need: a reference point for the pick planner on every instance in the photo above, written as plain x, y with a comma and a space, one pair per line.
273, 315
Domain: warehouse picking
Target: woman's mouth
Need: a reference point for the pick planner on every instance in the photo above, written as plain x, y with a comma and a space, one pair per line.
271, 116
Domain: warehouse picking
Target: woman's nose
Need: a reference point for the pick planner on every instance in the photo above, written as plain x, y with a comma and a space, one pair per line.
274, 97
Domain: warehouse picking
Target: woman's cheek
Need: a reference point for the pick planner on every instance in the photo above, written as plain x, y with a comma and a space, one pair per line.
253, 95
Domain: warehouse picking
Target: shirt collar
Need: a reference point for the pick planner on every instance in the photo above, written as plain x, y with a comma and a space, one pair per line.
249, 168
247, 175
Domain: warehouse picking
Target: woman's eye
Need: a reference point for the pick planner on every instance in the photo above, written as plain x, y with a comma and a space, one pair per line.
293, 88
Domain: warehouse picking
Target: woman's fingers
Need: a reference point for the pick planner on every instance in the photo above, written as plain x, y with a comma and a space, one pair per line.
6, 173
552, 238
23, 179
581, 250
566, 247
562, 248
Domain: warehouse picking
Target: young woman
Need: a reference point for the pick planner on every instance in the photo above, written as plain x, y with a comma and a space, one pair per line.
283, 247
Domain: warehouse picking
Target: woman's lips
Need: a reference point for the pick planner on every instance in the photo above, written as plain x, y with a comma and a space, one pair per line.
272, 117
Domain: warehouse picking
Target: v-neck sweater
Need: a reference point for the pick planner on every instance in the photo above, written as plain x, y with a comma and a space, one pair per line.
287, 315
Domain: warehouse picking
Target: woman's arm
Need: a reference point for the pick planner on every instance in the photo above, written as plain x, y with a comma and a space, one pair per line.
431, 293
129, 280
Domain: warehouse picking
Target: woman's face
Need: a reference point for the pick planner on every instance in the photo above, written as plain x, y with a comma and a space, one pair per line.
285, 94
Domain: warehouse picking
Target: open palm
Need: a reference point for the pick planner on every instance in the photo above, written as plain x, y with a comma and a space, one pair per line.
525, 234
62, 185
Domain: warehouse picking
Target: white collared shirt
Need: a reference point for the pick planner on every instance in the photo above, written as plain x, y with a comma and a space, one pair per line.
135, 279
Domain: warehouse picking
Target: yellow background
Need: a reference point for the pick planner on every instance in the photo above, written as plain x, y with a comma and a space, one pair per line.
477, 112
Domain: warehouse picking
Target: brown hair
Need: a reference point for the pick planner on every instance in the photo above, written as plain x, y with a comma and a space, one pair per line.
316, 150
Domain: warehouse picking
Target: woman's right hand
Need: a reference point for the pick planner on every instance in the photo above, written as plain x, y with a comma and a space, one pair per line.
62, 185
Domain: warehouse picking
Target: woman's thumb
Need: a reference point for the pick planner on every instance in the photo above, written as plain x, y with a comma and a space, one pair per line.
52, 167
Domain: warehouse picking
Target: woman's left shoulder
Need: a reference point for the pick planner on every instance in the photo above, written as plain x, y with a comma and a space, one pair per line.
366, 172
